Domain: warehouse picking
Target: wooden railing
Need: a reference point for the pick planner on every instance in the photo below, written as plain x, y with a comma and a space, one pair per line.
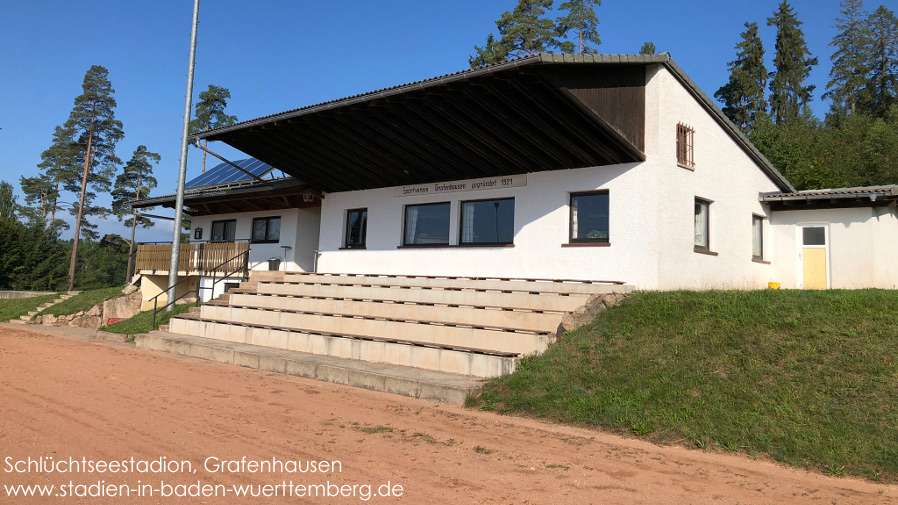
201, 258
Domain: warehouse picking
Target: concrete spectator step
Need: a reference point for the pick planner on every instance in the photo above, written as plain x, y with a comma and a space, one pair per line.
402, 380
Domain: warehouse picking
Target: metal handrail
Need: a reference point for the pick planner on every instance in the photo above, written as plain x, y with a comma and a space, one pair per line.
216, 280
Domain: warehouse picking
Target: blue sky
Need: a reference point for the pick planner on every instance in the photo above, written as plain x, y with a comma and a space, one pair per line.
279, 55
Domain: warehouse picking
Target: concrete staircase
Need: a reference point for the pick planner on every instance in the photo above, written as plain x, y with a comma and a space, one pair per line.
474, 327
26, 319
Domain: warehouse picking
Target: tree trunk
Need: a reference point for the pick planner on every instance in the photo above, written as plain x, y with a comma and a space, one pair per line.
133, 229
90, 138
53, 210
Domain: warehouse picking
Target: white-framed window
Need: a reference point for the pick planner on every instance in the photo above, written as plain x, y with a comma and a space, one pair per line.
702, 224
487, 222
757, 237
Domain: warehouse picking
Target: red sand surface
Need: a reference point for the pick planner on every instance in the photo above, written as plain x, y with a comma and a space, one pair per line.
66, 399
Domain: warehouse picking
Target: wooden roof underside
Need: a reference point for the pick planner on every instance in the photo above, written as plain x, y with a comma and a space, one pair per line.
521, 120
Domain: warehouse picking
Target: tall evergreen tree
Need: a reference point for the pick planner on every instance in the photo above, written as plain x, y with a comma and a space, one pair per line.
883, 84
492, 52
848, 76
581, 23
648, 48
93, 123
743, 96
210, 113
526, 31
134, 183
8, 205
59, 164
793, 62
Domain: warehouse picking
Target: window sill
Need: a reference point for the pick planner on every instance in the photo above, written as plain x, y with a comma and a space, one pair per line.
761, 261
587, 244
451, 246
264, 241
702, 250
687, 167
353, 248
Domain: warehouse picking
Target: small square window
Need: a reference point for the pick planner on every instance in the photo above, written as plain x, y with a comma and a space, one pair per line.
356, 228
266, 229
426, 224
702, 224
684, 146
224, 231
757, 237
589, 217
487, 222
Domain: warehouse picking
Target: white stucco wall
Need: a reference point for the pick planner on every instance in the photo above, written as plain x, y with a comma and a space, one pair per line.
541, 227
723, 174
863, 245
299, 230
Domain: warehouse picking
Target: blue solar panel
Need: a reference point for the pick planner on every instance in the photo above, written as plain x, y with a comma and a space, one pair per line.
224, 173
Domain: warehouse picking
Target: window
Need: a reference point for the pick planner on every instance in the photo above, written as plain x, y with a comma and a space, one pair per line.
589, 217
266, 229
426, 224
702, 208
356, 228
224, 231
684, 146
757, 237
487, 222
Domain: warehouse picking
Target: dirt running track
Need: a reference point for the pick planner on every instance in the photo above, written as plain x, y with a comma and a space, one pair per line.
64, 399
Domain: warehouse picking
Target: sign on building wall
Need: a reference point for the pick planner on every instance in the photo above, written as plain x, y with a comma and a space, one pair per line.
508, 181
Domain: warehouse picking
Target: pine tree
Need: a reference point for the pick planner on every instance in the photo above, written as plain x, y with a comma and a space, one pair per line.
883, 64
492, 52
793, 63
134, 183
93, 123
59, 163
8, 205
848, 76
647, 48
743, 96
210, 113
582, 22
525, 31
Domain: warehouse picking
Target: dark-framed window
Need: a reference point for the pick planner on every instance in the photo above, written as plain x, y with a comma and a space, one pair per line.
356, 228
684, 146
426, 224
487, 221
757, 237
224, 231
702, 224
589, 217
267, 229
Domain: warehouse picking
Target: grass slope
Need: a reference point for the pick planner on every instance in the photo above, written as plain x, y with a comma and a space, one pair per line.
143, 322
809, 378
12, 308
84, 300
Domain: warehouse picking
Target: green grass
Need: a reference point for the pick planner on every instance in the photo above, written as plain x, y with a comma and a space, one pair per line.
143, 322
809, 378
83, 301
12, 308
